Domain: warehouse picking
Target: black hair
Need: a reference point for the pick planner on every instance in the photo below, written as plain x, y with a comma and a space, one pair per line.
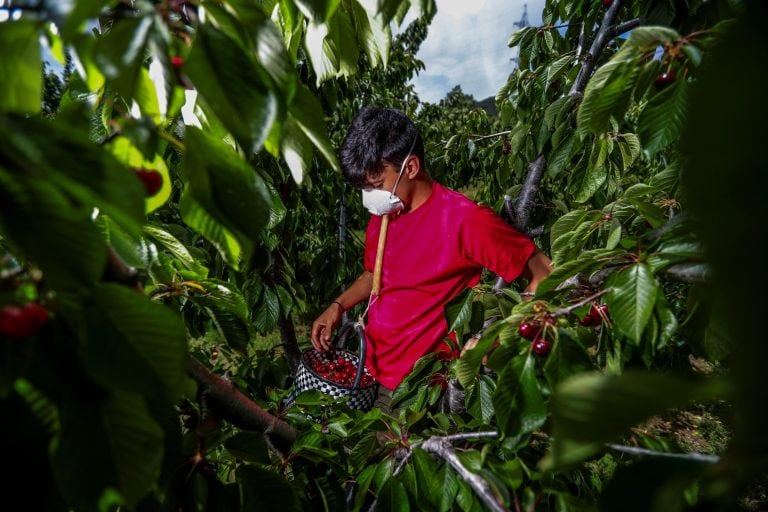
378, 136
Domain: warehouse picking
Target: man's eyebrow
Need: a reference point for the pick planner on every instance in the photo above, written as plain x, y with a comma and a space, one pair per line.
374, 181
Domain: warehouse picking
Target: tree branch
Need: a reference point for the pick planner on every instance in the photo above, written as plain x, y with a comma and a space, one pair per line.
590, 59
239, 409
621, 28
290, 343
525, 201
441, 447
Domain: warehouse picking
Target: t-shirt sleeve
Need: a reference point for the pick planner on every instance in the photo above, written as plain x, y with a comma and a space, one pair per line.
494, 244
371, 241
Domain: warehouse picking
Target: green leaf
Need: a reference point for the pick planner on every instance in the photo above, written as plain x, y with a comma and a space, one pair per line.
231, 84
227, 188
296, 148
21, 89
445, 479
662, 120
72, 252
38, 148
518, 402
458, 311
629, 145
693, 53
134, 344
268, 312
176, 248
343, 43
568, 357
586, 183
307, 112
106, 443
120, 53
259, 487
424, 468
643, 37
249, 446
392, 496
129, 155
198, 219
364, 449
631, 299
373, 32
591, 409
227, 309
322, 57
567, 269
667, 319
608, 94
469, 363
135, 252
562, 230
562, 154
614, 235
318, 10
481, 406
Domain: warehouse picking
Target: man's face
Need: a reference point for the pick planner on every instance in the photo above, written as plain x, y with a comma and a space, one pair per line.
385, 180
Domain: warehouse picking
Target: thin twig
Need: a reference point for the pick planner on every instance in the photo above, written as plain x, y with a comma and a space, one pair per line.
634, 450
483, 137
567, 310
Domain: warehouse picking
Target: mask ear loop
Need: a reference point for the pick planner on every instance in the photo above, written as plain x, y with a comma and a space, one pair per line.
402, 166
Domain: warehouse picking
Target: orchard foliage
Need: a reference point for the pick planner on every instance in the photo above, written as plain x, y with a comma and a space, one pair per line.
178, 195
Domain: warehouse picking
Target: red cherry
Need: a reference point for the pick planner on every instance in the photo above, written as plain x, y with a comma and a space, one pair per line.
37, 316
528, 330
19, 323
607, 3
152, 180
177, 62
664, 79
541, 347
601, 312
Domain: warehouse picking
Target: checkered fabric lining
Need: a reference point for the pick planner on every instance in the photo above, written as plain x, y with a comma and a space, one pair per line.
307, 379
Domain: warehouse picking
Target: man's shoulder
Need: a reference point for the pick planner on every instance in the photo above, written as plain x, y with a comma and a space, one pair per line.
459, 202
456, 197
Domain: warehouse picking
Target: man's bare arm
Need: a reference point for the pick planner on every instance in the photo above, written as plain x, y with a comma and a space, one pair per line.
323, 326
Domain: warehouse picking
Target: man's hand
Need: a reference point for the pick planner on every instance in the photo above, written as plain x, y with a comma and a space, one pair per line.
323, 326
472, 343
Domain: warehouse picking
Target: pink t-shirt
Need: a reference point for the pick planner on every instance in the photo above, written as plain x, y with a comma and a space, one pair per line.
432, 254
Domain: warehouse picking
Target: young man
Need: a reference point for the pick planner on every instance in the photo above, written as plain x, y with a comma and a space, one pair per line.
437, 244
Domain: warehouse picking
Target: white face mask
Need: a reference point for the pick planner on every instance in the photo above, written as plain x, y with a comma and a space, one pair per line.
382, 202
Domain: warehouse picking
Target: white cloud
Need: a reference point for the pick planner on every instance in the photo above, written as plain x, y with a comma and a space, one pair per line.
467, 46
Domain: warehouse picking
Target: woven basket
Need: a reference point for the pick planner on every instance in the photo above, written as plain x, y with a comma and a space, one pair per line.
359, 397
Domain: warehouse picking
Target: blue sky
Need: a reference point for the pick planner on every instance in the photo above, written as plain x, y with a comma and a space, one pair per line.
467, 46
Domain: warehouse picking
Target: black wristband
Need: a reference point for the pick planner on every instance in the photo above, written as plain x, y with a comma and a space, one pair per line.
339, 304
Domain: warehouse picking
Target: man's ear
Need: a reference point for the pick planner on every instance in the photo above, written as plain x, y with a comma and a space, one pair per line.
412, 167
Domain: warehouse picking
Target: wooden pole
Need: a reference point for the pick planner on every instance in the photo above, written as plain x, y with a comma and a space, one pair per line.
380, 256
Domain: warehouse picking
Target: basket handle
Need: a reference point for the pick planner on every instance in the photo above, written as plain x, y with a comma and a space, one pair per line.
341, 342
